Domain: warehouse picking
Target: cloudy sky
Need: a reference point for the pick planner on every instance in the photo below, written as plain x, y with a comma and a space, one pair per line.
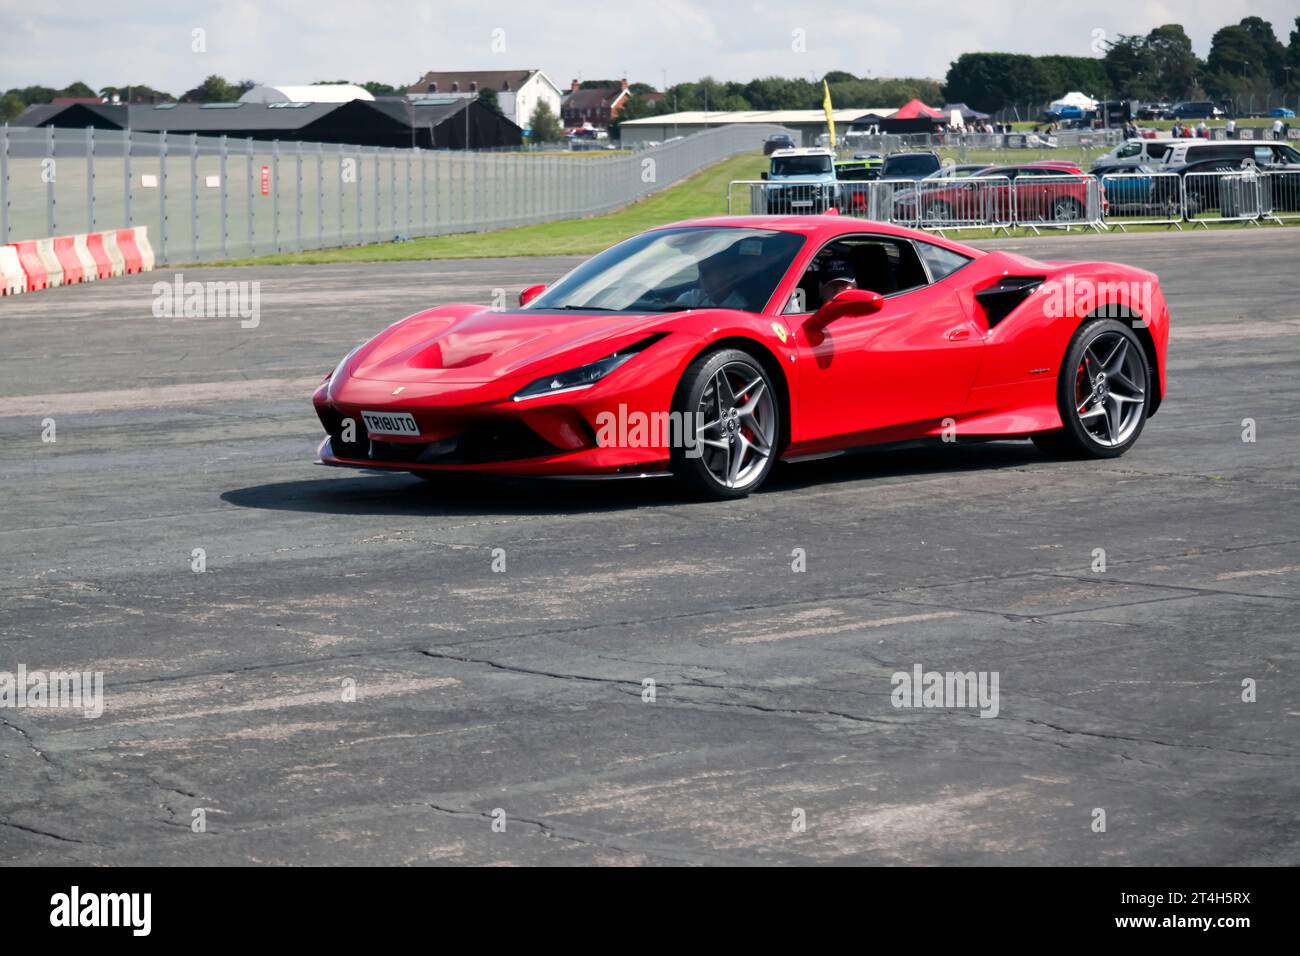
295, 41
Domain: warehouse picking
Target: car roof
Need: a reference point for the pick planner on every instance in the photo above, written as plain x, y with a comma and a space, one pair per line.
820, 228
804, 151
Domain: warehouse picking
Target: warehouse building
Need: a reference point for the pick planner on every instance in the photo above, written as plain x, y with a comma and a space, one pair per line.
429, 122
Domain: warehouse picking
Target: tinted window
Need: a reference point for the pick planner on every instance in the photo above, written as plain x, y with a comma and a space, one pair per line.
1128, 150
910, 165
800, 165
942, 262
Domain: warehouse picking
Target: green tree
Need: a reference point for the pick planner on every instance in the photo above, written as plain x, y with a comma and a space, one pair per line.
380, 89
10, 106
1177, 66
214, 89
488, 97
136, 94
544, 126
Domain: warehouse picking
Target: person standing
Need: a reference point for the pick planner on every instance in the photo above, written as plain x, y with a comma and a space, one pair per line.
1231, 129
1277, 128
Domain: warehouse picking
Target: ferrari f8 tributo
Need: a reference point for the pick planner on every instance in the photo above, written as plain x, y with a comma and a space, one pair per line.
712, 348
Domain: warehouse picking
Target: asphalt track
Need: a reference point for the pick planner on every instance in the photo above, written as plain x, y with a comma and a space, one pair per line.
522, 691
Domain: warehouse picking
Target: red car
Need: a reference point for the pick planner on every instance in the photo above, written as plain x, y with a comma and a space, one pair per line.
705, 349
1044, 191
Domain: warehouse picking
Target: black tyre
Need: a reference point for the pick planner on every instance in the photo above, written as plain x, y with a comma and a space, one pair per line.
938, 212
1067, 209
733, 452
1103, 392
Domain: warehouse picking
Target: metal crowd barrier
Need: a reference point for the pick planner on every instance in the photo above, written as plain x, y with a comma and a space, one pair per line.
1281, 195
1234, 196
961, 203
1143, 199
1054, 202
1038, 202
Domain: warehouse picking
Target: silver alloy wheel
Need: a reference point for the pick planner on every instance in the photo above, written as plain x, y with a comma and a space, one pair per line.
1065, 210
739, 430
1110, 393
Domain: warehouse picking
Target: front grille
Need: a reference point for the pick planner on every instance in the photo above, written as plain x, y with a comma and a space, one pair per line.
483, 442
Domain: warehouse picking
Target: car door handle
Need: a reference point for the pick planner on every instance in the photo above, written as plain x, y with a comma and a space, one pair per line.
956, 335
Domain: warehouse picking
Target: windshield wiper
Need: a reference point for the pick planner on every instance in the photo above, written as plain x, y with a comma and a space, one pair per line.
585, 308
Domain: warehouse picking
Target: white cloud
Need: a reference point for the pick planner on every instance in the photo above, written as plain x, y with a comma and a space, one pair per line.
296, 41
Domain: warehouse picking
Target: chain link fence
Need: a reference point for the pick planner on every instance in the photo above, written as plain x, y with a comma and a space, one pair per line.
218, 197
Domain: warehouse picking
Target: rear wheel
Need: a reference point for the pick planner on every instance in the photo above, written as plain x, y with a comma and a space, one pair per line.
1067, 209
1102, 393
730, 397
938, 212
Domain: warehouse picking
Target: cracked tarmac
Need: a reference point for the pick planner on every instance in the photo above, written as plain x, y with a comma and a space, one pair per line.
523, 691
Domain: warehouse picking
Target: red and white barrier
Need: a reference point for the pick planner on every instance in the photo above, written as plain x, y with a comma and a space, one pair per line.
89, 268
130, 251
68, 261
12, 278
53, 269
32, 267
99, 254
35, 264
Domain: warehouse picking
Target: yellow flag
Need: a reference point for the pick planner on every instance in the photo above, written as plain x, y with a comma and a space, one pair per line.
830, 117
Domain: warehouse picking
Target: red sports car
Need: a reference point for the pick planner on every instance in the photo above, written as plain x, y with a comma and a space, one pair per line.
710, 349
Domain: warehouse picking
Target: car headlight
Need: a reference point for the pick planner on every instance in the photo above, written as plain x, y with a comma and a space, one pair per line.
338, 368
584, 376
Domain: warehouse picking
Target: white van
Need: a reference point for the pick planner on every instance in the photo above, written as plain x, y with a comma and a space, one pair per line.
1138, 152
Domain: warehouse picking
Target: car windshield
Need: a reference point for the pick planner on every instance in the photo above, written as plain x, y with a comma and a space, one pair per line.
909, 165
668, 270
800, 165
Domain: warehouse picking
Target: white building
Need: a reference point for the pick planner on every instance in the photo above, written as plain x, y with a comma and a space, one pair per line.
321, 93
518, 91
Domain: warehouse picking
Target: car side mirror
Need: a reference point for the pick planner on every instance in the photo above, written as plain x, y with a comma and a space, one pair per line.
762, 175
532, 292
850, 302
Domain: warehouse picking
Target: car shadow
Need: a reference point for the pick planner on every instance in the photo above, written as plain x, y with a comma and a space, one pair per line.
371, 493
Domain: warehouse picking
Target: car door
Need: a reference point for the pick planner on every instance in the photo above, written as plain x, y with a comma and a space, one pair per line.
891, 375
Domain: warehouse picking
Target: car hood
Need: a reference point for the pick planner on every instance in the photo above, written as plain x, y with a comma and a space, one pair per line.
486, 345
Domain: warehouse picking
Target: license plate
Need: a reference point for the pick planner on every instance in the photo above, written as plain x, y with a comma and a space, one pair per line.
801, 203
391, 423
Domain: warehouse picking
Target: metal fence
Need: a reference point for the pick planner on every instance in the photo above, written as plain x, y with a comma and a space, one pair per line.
1016, 143
1037, 202
211, 197
997, 202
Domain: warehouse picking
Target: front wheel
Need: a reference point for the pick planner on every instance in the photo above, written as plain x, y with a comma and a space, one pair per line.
729, 408
1102, 393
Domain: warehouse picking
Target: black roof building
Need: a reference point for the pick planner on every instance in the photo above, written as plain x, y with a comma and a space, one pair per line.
427, 122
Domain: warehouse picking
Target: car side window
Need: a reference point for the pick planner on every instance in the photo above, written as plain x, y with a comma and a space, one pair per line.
942, 262
885, 264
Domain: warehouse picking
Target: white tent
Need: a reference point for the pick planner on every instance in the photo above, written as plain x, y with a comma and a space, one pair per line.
1074, 98
320, 93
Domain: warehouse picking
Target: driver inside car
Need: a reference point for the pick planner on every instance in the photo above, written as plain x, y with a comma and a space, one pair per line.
718, 288
834, 277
